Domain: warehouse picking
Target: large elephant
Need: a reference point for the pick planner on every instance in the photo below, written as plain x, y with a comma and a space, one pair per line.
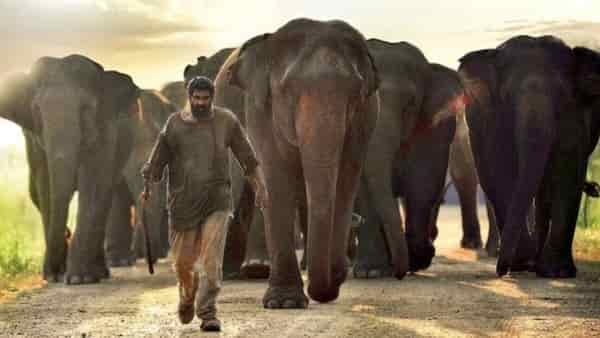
533, 121
71, 111
311, 105
145, 125
175, 92
407, 157
246, 249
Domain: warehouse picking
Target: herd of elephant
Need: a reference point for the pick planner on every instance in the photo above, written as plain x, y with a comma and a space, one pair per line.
341, 125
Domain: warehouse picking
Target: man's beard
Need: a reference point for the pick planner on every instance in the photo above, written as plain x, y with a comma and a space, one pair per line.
201, 111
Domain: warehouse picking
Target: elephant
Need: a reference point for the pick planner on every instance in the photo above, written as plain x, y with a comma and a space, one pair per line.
153, 111
72, 114
246, 249
311, 103
533, 121
175, 92
407, 157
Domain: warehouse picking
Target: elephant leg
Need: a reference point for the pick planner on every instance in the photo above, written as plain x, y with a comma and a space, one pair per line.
492, 244
372, 258
556, 260
348, 183
285, 284
517, 248
464, 175
466, 187
119, 230
257, 264
237, 236
39, 193
384, 202
235, 246
420, 247
542, 224
86, 262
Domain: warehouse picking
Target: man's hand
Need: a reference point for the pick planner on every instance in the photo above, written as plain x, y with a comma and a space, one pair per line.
146, 171
260, 189
145, 195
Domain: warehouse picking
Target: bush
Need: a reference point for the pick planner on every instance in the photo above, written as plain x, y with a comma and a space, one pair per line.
21, 232
14, 261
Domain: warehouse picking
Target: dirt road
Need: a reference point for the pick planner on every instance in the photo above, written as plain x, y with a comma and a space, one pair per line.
458, 296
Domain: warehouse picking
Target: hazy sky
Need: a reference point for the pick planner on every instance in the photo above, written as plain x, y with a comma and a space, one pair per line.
154, 40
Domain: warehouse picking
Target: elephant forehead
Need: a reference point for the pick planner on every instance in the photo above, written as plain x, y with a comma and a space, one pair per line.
64, 95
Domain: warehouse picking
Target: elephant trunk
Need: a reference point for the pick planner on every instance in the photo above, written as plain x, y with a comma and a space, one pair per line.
535, 131
62, 138
321, 129
15, 93
63, 161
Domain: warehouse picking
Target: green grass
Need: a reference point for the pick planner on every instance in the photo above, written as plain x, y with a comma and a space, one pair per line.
21, 233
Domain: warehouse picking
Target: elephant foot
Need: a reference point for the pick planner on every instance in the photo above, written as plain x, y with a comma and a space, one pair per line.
54, 277
255, 269
118, 262
564, 271
231, 275
163, 252
81, 279
285, 297
103, 272
472, 242
231, 270
54, 274
364, 270
88, 275
555, 267
420, 256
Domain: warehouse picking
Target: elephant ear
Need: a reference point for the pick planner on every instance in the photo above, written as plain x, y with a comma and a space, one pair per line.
445, 97
117, 99
248, 68
479, 75
119, 95
587, 77
587, 85
16, 94
214, 63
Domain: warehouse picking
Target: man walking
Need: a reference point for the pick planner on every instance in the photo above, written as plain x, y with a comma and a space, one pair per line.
194, 145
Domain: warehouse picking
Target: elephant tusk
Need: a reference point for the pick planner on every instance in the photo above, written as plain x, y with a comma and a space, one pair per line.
140, 110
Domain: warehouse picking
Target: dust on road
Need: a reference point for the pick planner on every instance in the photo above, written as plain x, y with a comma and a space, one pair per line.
459, 296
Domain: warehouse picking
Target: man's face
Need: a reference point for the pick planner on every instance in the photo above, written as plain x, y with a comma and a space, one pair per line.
201, 101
